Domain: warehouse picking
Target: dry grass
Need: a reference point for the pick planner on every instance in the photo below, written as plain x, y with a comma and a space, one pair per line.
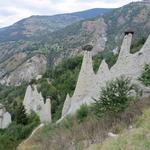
137, 138
71, 135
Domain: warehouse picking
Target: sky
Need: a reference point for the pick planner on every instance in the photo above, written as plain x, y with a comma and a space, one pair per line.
12, 11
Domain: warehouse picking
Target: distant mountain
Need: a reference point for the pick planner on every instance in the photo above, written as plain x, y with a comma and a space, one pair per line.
36, 26
60, 36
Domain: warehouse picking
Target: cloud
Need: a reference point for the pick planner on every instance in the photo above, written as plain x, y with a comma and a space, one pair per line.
14, 10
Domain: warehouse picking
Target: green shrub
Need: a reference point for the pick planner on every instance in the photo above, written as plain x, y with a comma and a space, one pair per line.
33, 118
20, 115
114, 98
145, 77
15, 133
82, 113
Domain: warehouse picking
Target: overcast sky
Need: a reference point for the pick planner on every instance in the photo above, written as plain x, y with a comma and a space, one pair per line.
14, 10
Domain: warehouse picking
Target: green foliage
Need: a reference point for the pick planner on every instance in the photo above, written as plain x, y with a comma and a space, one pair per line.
137, 45
62, 80
15, 133
82, 113
114, 98
11, 97
22, 125
145, 77
109, 57
20, 115
96, 62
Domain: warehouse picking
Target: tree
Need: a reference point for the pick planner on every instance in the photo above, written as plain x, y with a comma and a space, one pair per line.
20, 115
115, 97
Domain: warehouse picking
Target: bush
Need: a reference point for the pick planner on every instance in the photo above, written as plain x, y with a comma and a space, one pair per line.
82, 113
145, 77
114, 98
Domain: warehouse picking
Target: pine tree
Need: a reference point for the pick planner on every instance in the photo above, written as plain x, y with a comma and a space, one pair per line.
20, 115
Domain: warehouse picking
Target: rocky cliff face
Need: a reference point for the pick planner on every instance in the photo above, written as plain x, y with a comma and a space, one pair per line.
12, 63
26, 71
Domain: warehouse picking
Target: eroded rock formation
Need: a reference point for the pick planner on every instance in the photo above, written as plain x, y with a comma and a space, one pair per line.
89, 84
34, 102
5, 117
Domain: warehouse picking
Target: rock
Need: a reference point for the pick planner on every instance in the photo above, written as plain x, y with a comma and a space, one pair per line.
110, 134
5, 117
130, 126
38, 77
33, 101
25, 72
87, 47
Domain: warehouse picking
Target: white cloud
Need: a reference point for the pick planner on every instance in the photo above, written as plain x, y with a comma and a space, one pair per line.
14, 10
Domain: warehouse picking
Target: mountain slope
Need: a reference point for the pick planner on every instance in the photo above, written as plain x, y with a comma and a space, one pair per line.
105, 33
37, 26
135, 17
72, 134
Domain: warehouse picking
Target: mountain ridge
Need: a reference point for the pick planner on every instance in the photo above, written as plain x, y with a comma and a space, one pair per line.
104, 32
54, 22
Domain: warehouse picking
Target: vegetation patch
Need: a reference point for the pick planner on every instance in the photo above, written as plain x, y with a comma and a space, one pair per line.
137, 45
82, 113
136, 138
17, 131
115, 97
145, 77
72, 134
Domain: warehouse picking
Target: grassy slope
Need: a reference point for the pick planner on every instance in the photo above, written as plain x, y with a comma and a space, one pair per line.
74, 135
137, 138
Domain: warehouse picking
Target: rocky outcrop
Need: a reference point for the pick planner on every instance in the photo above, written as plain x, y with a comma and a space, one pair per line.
11, 63
34, 102
25, 72
5, 117
89, 84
